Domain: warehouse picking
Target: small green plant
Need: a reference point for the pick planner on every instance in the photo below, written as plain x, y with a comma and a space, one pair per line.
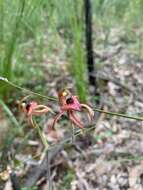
67, 179
78, 50
9, 35
69, 18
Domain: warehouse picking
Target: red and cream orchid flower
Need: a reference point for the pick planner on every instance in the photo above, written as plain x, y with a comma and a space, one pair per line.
32, 108
70, 104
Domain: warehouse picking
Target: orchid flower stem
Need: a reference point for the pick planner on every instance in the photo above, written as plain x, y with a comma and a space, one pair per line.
119, 114
46, 150
27, 90
55, 99
73, 133
43, 139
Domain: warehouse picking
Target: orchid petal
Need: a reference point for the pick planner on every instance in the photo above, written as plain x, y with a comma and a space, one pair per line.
39, 112
41, 109
32, 107
75, 120
56, 119
70, 107
90, 111
31, 122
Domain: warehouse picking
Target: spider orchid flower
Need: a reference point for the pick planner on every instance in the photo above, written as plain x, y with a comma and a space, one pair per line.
32, 108
70, 104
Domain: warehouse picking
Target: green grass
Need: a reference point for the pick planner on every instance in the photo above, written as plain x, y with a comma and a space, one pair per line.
9, 38
25, 33
19, 23
69, 18
9, 114
24, 25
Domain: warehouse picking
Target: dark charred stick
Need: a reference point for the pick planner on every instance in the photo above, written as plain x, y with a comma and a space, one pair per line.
41, 169
89, 44
14, 181
49, 171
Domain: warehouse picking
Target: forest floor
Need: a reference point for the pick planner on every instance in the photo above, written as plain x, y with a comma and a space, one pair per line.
110, 156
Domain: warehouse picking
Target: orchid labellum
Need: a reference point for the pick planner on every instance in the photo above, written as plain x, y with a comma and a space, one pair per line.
70, 104
32, 108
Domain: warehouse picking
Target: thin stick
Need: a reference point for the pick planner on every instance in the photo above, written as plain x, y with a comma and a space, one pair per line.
14, 179
49, 172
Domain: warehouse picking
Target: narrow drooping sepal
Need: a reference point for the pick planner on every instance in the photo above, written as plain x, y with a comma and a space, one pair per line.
70, 104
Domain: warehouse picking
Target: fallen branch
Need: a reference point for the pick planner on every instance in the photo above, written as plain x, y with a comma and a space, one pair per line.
40, 170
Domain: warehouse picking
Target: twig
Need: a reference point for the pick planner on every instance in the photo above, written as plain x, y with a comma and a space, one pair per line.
104, 57
40, 170
14, 180
49, 171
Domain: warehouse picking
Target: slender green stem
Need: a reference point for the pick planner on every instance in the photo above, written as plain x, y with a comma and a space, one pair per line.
1, 20
44, 141
9, 113
119, 114
27, 90
55, 99
73, 133
46, 150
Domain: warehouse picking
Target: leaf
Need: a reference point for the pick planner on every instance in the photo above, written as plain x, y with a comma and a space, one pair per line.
9, 113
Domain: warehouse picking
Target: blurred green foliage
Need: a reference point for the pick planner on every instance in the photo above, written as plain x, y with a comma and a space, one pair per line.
26, 25
67, 179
